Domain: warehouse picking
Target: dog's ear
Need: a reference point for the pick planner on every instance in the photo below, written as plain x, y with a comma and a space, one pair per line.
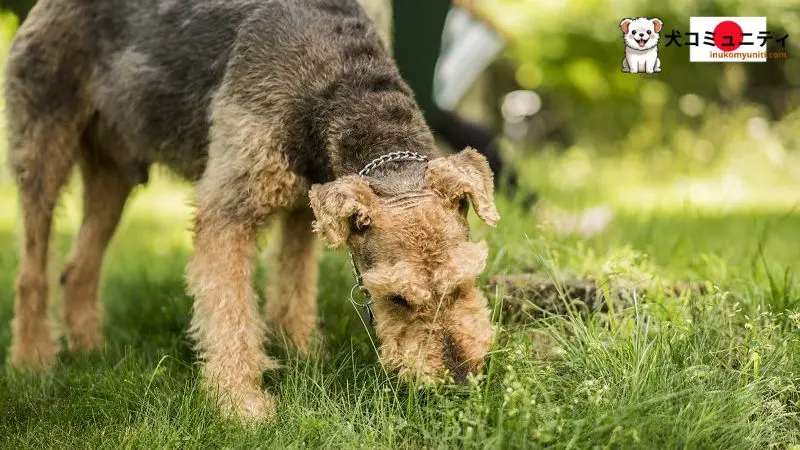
624, 25
657, 23
466, 173
339, 206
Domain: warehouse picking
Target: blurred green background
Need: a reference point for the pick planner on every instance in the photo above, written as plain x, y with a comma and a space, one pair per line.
640, 139
701, 167
695, 139
570, 52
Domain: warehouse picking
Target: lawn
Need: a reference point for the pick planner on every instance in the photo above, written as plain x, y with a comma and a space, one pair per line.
712, 369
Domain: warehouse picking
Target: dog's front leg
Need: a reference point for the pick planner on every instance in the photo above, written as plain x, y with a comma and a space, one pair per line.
247, 179
226, 324
291, 304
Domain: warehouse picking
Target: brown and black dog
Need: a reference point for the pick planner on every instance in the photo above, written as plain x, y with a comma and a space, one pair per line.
272, 107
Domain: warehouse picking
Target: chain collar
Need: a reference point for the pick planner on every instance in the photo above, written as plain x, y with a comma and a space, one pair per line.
394, 156
379, 161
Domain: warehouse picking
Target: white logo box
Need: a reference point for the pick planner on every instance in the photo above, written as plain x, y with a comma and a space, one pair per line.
745, 53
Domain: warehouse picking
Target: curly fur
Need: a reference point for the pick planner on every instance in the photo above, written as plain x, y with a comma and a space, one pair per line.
271, 108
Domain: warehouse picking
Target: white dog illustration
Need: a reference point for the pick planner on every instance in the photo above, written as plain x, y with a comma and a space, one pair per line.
641, 45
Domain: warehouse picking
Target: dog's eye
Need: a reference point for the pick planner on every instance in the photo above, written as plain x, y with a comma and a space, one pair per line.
463, 206
357, 226
399, 301
649, 32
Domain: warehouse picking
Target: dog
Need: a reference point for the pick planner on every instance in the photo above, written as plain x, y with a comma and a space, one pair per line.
285, 111
641, 45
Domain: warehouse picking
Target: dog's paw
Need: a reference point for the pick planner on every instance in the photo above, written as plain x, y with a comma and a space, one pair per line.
86, 337
35, 353
258, 405
248, 405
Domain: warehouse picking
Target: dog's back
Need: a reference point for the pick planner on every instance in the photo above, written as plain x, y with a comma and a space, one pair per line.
148, 70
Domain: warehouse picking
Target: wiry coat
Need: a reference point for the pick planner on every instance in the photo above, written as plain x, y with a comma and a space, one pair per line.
271, 107
148, 72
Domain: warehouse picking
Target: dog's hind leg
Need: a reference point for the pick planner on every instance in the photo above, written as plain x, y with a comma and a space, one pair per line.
42, 156
292, 292
46, 117
105, 189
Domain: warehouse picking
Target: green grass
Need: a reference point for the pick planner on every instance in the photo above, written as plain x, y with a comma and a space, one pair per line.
716, 370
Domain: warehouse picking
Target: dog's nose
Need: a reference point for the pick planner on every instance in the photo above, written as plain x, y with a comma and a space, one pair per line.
458, 370
454, 361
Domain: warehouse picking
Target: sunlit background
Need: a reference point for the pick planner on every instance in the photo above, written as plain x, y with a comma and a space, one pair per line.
705, 141
717, 135
692, 173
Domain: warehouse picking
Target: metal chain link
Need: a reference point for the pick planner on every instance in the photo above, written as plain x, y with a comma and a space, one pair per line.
383, 159
393, 156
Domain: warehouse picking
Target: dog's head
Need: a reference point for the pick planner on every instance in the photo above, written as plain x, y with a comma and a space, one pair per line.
641, 33
418, 263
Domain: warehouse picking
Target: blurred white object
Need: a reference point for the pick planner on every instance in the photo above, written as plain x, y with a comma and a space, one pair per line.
468, 47
519, 105
584, 223
517, 109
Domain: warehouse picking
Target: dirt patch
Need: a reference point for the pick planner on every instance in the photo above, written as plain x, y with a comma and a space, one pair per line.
528, 296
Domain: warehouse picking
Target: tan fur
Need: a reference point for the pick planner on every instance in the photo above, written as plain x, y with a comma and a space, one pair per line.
104, 193
32, 341
247, 176
466, 173
42, 153
624, 25
335, 202
417, 248
658, 24
225, 321
291, 304
251, 148
246, 179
